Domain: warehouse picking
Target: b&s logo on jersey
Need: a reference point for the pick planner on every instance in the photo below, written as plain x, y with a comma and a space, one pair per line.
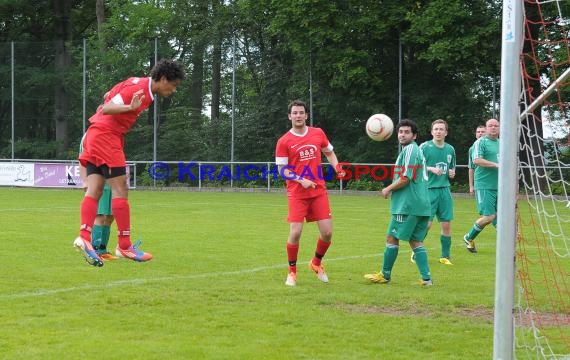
307, 152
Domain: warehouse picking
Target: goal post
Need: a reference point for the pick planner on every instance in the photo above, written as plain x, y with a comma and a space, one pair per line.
503, 338
532, 279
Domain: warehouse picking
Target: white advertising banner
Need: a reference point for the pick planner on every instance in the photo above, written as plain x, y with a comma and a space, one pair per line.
16, 174
58, 175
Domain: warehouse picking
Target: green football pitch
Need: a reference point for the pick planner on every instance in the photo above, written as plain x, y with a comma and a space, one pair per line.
215, 288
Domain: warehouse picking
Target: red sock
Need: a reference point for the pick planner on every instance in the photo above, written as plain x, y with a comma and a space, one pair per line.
122, 214
292, 251
88, 211
322, 248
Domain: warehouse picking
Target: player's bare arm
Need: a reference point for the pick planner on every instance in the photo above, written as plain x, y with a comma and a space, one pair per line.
398, 184
332, 159
434, 170
110, 108
485, 163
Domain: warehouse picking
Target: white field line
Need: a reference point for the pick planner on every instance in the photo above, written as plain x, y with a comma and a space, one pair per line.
142, 281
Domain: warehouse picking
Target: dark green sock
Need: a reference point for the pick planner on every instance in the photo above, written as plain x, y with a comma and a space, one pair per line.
475, 230
96, 235
105, 235
390, 255
445, 246
422, 262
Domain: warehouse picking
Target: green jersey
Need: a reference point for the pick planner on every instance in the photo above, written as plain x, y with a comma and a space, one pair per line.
470, 164
486, 178
413, 199
442, 158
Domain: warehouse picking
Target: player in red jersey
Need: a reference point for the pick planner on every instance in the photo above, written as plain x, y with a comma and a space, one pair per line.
104, 158
298, 157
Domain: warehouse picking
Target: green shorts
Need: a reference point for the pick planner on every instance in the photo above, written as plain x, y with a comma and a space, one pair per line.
486, 202
408, 227
441, 204
105, 202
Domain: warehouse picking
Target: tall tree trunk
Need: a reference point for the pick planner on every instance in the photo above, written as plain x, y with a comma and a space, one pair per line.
216, 66
216, 80
62, 62
197, 75
197, 84
101, 18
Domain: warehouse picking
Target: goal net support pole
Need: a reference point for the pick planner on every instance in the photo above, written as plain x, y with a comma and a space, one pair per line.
555, 84
503, 337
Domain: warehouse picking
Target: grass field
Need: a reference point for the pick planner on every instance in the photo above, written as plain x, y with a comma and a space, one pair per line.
215, 289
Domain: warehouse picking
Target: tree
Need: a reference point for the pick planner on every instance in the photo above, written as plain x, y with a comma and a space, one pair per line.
62, 22
42, 58
345, 54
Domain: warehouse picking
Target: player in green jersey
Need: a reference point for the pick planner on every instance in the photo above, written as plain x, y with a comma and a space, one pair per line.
410, 207
486, 175
440, 164
480, 131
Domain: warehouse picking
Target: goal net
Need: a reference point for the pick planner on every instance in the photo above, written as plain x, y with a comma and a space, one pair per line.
542, 287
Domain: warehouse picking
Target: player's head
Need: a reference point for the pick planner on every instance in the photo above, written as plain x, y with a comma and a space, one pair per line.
480, 131
297, 103
407, 131
166, 76
492, 128
297, 113
439, 129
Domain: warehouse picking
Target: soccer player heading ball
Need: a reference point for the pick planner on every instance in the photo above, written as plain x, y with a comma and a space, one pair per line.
104, 158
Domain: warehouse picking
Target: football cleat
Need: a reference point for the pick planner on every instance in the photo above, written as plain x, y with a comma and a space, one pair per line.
106, 256
320, 271
470, 244
445, 261
87, 251
291, 279
133, 253
377, 278
426, 282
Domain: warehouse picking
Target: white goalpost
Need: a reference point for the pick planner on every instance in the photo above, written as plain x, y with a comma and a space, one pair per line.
532, 283
508, 166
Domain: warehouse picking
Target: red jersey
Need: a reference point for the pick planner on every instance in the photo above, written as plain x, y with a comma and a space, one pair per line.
121, 94
302, 154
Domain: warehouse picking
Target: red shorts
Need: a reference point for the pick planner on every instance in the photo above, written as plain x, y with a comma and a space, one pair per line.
311, 209
103, 147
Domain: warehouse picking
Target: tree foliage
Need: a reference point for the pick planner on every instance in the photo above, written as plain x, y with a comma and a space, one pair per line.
343, 56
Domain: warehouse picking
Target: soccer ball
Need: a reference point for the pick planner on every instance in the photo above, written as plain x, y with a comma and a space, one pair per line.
379, 127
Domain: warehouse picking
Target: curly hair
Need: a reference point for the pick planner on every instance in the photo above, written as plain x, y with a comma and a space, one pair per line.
410, 123
170, 69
